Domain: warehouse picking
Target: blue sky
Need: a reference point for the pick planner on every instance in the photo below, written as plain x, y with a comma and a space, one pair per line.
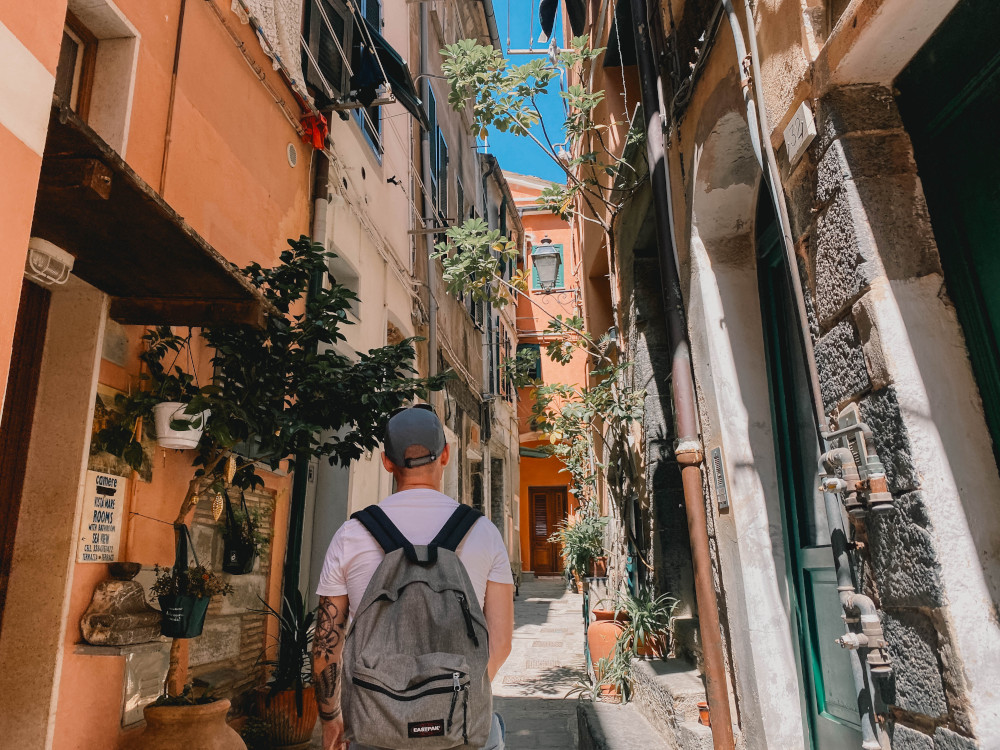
520, 154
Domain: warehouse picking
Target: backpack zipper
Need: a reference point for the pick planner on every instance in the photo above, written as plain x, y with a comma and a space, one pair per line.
379, 689
456, 688
469, 629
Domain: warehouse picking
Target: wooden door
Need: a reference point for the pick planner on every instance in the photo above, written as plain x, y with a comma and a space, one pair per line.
18, 412
548, 509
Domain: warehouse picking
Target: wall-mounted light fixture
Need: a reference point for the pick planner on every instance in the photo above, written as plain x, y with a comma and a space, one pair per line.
46, 263
546, 260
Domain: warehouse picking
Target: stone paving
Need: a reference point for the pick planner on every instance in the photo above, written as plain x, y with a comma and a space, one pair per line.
545, 663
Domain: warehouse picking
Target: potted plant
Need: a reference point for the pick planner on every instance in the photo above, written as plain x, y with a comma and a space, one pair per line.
582, 540
184, 595
188, 720
647, 629
281, 387
286, 704
245, 536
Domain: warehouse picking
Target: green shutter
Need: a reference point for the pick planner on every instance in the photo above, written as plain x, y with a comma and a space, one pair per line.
560, 277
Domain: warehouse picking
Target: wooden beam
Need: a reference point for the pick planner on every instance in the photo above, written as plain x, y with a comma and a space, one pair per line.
186, 312
91, 176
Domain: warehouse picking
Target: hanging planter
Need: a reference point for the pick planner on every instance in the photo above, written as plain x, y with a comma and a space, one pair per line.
174, 412
183, 615
184, 591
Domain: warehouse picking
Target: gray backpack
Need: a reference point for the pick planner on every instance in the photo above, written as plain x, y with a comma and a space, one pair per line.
414, 668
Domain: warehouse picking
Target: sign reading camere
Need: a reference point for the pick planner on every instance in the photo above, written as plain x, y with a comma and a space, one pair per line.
101, 521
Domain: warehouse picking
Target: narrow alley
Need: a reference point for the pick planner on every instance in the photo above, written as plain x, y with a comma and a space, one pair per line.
545, 663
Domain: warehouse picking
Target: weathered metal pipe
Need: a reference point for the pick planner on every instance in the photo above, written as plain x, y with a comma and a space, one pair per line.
688, 450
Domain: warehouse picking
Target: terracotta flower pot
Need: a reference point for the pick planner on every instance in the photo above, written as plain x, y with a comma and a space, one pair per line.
202, 726
285, 726
703, 717
599, 567
654, 647
602, 635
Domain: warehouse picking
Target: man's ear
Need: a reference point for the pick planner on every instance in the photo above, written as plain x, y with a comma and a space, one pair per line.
446, 454
389, 465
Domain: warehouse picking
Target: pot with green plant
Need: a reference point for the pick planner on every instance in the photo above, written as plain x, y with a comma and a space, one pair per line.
647, 629
581, 541
244, 536
287, 704
284, 386
184, 592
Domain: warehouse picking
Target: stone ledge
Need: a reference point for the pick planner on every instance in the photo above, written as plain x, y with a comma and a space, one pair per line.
607, 726
87, 649
671, 687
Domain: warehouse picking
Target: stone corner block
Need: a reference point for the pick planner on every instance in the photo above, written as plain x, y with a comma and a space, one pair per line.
880, 411
904, 557
871, 343
904, 738
846, 259
915, 685
945, 739
841, 365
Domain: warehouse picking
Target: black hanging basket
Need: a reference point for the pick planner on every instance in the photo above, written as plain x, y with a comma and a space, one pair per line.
183, 614
239, 552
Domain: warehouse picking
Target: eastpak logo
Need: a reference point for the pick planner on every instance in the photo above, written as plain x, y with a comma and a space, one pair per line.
417, 729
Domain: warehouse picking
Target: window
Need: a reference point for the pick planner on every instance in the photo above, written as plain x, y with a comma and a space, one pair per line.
536, 370
329, 32
371, 117
75, 70
460, 201
441, 168
535, 284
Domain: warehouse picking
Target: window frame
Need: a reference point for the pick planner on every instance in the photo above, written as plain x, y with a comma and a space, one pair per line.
84, 65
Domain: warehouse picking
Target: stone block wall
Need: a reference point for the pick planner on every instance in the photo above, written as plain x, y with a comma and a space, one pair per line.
647, 348
228, 654
860, 220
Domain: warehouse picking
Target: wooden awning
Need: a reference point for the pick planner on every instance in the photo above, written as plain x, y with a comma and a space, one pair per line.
127, 241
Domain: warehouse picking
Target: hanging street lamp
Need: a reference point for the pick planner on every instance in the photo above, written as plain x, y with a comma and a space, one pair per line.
546, 260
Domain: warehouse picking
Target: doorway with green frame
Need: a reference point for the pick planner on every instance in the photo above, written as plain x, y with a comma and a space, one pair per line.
828, 696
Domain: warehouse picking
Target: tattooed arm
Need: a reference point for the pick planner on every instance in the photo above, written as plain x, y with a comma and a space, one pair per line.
328, 646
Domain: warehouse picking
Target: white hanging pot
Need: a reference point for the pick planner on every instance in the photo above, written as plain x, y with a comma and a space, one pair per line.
168, 411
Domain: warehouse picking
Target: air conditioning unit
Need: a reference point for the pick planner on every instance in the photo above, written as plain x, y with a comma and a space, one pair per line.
46, 263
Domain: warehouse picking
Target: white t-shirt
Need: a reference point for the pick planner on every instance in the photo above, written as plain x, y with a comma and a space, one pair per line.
354, 554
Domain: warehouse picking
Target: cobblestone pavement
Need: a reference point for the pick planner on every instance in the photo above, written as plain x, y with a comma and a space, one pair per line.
545, 663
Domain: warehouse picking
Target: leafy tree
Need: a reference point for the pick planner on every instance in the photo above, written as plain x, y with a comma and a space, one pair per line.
283, 390
593, 427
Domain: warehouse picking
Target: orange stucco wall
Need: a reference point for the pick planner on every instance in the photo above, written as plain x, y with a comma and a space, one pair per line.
532, 318
229, 177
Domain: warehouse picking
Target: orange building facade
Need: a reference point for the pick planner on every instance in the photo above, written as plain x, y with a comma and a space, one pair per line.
545, 499
152, 144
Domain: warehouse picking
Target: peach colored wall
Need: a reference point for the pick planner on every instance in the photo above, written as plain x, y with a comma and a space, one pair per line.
531, 321
33, 28
228, 176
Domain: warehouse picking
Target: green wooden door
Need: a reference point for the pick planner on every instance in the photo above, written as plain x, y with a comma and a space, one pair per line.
950, 102
829, 700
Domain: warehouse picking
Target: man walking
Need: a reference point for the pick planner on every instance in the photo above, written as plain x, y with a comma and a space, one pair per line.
416, 454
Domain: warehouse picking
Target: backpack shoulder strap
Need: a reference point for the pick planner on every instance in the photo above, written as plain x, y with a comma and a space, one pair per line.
389, 537
456, 527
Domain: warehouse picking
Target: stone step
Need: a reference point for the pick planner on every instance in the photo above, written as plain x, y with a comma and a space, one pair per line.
694, 736
609, 726
667, 693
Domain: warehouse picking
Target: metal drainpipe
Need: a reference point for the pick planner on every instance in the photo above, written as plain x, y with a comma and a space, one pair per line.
428, 212
300, 478
851, 601
688, 450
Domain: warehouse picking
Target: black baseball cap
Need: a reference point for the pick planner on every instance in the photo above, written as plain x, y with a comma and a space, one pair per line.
415, 425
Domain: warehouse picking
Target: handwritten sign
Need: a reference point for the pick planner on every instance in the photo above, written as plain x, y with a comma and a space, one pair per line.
799, 133
101, 522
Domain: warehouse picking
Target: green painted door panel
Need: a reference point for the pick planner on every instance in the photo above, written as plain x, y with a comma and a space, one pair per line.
829, 700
